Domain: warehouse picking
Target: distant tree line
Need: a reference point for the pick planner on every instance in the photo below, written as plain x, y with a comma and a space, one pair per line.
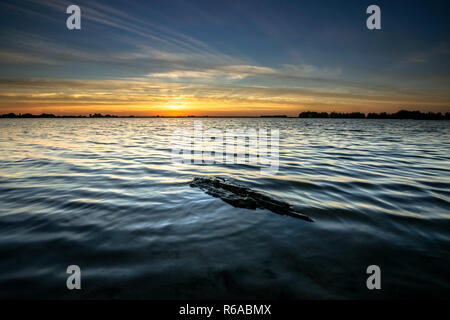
43, 115
49, 115
99, 115
312, 114
402, 114
275, 116
416, 115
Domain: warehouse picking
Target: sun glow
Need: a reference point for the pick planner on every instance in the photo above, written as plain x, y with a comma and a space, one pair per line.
174, 107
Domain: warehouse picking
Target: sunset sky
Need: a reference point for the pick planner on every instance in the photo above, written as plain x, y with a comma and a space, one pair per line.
223, 57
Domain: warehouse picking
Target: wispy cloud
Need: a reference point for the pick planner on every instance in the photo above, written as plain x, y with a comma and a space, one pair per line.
233, 72
160, 35
427, 56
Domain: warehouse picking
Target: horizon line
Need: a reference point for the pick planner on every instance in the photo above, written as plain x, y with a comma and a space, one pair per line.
401, 114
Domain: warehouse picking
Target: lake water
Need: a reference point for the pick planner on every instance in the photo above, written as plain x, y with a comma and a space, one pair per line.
105, 195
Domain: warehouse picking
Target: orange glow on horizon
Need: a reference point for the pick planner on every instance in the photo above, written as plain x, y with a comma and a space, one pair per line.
193, 110
125, 98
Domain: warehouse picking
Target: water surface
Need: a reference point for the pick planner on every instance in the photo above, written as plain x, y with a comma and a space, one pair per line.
104, 194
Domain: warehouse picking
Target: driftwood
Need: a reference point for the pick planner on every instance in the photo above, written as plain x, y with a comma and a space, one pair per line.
243, 197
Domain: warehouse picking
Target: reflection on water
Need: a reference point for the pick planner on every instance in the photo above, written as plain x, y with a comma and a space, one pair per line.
105, 195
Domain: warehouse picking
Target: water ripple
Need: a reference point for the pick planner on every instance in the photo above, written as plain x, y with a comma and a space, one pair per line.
106, 196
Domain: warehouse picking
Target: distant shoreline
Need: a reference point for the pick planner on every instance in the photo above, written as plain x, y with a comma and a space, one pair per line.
400, 115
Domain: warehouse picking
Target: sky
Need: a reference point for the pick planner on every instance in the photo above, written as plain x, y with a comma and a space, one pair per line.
223, 58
